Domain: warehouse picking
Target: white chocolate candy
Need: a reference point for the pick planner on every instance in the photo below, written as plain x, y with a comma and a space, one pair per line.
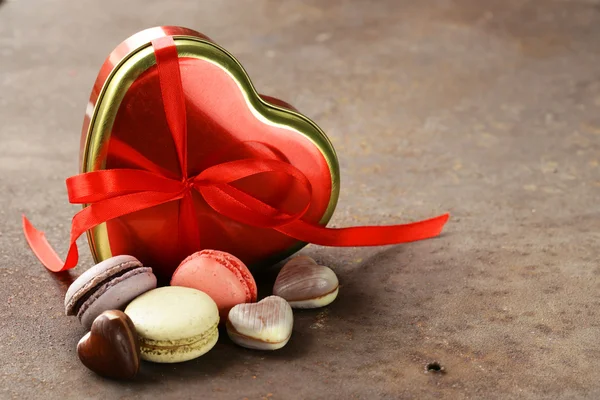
266, 325
305, 284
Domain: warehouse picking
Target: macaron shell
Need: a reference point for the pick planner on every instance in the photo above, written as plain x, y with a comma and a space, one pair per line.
222, 276
115, 295
97, 273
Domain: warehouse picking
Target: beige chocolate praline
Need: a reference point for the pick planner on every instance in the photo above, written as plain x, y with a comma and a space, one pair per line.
266, 325
305, 284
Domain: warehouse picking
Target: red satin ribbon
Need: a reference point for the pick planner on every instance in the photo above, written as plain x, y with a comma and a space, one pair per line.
117, 192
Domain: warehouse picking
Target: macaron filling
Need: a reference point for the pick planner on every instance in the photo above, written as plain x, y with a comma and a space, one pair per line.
150, 346
81, 302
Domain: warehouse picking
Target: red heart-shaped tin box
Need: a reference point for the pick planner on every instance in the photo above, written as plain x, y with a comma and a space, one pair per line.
180, 153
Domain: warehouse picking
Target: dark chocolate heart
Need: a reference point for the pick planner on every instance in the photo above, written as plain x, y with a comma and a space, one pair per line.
111, 349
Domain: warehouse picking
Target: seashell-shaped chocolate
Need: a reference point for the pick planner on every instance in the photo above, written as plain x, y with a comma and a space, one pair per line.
266, 325
305, 284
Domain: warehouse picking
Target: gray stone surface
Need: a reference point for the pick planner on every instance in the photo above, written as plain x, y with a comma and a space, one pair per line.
488, 109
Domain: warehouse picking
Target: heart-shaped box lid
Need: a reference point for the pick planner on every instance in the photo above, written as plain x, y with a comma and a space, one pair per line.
223, 112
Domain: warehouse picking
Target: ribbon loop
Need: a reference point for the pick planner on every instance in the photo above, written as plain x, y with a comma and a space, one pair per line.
240, 206
118, 192
232, 171
92, 187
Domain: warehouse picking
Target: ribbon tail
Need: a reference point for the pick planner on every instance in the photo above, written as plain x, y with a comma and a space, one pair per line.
88, 218
243, 207
365, 235
45, 253
189, 231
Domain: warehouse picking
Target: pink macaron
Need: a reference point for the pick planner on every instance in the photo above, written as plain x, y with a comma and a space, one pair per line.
225, 278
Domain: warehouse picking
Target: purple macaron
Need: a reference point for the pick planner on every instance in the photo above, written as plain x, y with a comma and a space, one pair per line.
109, 285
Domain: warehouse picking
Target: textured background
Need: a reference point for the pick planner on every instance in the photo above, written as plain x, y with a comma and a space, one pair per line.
488, 109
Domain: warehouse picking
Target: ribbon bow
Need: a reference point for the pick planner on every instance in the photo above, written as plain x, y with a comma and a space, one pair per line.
117, 192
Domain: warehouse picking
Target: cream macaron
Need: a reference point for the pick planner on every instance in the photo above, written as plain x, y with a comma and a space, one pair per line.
174, 324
